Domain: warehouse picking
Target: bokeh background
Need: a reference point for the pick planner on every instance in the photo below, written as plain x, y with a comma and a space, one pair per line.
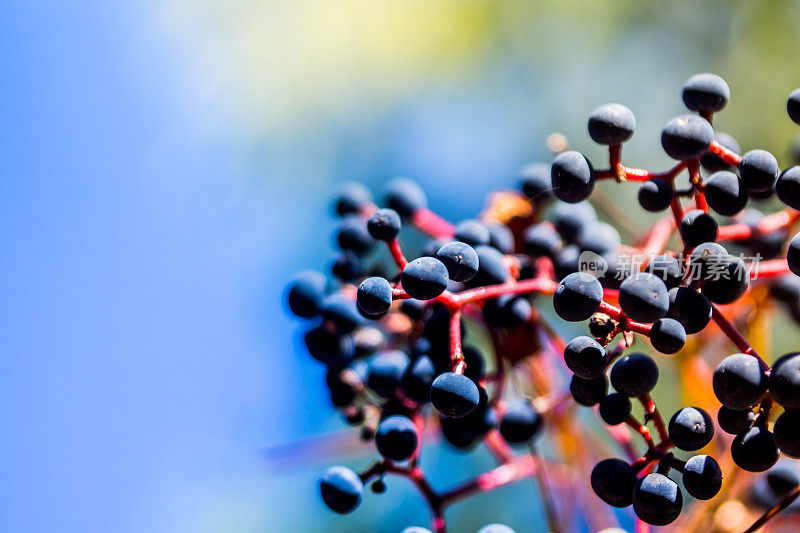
166, 165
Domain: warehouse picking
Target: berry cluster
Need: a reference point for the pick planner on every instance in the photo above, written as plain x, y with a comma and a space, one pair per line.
405, 342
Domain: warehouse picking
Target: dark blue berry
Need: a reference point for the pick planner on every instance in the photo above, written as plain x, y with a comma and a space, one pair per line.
472, 232
454, 395
787, 432
733, 421
759, 170
572, 177
698, 227
588, 392
739, 381
384, 224
341, 489
690, 429
615, 409
655, 195
396, 438
705, 93
405, 196
577, 297
644, 297
585, 357
306, 293
687, 137
611, 124
634, 375
657, 499
521, 422
793, 106
667, 335
541, 240
613, 481
702, 477
784, 381
788, 187
690, 308
666, 268
352, 199
755, 450
374, 297
535, 182
424, 278
725, 193
385, 372
352, 235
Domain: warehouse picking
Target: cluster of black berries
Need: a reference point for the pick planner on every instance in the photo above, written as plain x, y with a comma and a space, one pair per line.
396, 337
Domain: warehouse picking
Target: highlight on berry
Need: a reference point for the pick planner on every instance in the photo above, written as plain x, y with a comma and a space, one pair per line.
629, 377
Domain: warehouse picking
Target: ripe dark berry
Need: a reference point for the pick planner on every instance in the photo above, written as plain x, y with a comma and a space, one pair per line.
755, 450
714, 163
577, 297
725, 193
341, 312
328, 347
405, 196
787, 432
613, 481
793, 106
542, 240
501, 238
572, 177
666, 268
759, 170
705, 93
520, 423
341, 489
535, 182
508, 311
690, 308
657, 499
733, 421
704, 258
569, 219
739, 381
374, 297
728, 281
611, 124
588, 392
599, 238
424, 278
351, 199
793, 255
585, 357
492, 269
788, 187
352, 235
472, 232
687, 137
417, 379
655, 195
702, 477
454, 395
385, 371
698, 227
634, 374
460, 259
667, 335
384, 224
644, 297
348, 267
615, 409
566, 261
784, 381
691, 428
306, 293
396, 438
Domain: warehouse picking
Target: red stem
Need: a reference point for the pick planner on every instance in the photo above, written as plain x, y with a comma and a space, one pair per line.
733, 334
397, 253
542, 285
456, 355
766, 269
429, 222
726, 155
624, 322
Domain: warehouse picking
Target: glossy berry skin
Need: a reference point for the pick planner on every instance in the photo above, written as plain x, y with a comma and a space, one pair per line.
667, 335
690, 429
666, 268
520, 423
424, 278
788, 187
460, 260
385, 372
613, 480
644, 297
793, 106
588, 392
615, 408
690, 308
702, 477
374, 297
657, 500
725, 193
417, 379
341, 489
472, 232
351, 199
572, 177
784, 381
384, 225
577, 297
570, 219
755, 450
535, 182
758, 170
687, 137
634, 375
492, 269
793, 255
585, 357
733, 421
729, 281
611, 124
541, 240
655, 195
306, 293
705, 93
739, 381
454, 395
698, 227
405, 196
704, 257
714, 163
787, 432
396, 438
